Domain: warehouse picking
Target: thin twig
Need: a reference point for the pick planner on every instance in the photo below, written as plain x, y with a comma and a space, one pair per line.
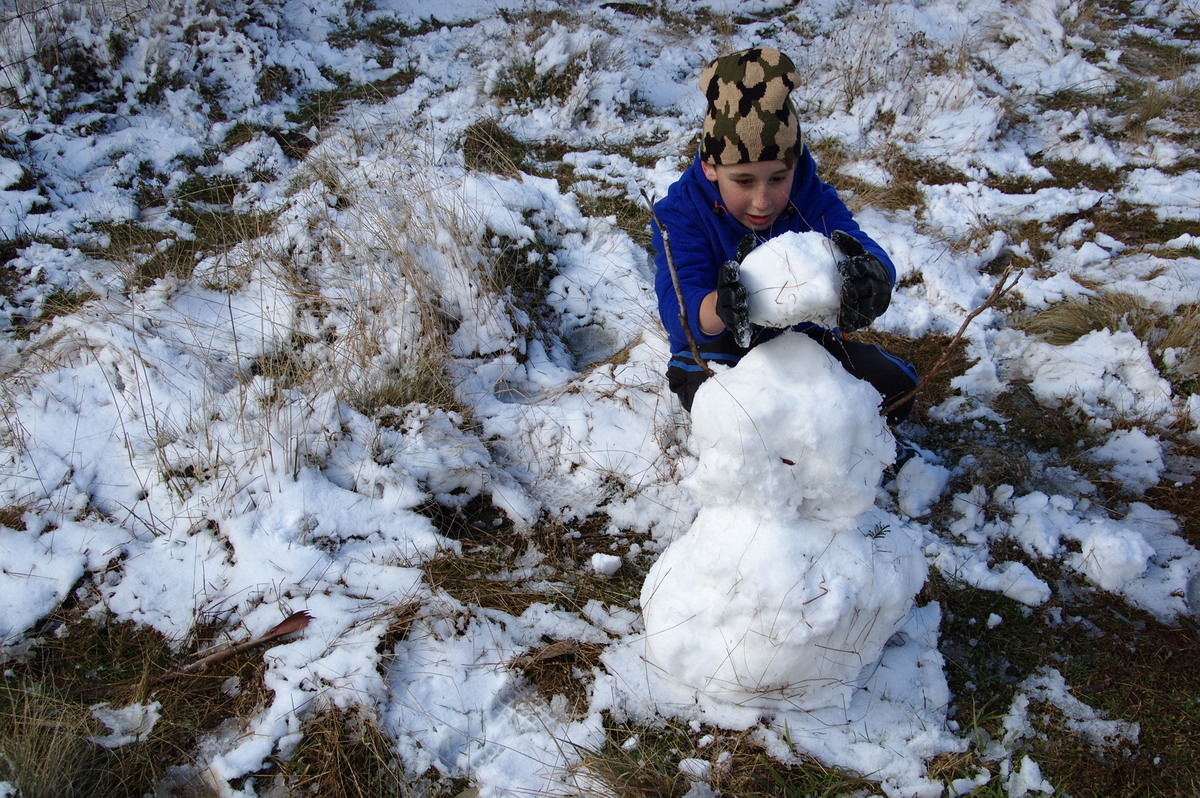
1002, 287
683, 320
293, 623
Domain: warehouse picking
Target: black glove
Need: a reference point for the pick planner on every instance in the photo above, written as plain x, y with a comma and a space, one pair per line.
866, 285
733, 302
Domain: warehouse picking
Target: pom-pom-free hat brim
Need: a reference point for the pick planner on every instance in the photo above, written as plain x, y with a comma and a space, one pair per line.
749, 117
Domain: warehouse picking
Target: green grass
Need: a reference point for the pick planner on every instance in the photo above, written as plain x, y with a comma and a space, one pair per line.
1116, 659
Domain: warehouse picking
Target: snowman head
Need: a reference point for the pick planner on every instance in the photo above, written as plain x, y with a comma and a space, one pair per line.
793, 278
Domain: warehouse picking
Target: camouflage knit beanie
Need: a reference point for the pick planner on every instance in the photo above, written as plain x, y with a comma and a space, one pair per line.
749, 117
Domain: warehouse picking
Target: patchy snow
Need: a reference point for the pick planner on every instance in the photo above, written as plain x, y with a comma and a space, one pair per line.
234, 445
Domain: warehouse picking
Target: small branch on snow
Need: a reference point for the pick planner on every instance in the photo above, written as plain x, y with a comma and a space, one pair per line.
293, 623
1002, 287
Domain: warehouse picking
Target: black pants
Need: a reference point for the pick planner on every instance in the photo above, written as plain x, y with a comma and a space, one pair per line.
892, 377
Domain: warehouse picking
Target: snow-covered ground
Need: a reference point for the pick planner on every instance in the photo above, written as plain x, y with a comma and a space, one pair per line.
160, 465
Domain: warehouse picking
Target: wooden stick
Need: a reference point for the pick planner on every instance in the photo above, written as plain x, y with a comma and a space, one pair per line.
683, 320
1002, 287
293, 623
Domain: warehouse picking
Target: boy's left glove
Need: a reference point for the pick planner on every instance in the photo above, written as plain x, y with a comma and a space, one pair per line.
866, 285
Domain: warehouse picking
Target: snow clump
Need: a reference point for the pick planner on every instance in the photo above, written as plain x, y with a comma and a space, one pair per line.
793, 278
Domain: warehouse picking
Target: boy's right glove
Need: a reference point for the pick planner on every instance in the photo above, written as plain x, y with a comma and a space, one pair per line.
866, 285
733, 302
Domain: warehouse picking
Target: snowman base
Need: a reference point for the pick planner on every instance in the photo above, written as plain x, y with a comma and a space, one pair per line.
797, 620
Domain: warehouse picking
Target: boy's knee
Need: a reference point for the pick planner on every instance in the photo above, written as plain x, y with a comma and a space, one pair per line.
684, 385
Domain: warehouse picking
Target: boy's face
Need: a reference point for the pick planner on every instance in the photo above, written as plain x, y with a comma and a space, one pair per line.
755, 193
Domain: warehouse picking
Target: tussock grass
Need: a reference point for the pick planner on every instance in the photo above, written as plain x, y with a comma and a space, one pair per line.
75, 663
146, 256
631, 216
56, 303
563, 668
902, 191
487, 572
344, 753
320, 108
569, 549
379, 279
1068, 174
528, 79
1069, 321
483, 577
44, 750
488, 147
1155, 57
1139, 226
521, 80
520, 267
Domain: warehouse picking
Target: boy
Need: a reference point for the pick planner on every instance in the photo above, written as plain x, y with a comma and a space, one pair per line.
752, 180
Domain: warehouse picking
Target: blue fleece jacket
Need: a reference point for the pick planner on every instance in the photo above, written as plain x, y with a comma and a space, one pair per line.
703, 235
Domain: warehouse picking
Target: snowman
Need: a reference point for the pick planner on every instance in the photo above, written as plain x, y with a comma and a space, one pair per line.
790, 582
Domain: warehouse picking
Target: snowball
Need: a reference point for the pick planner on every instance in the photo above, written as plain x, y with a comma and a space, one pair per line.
789, 429
605, 564
771, 613
1112, 556
919, 485
793, 278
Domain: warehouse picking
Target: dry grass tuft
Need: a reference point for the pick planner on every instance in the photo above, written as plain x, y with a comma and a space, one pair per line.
1138, 226
147, 256
76, 663
1069, 321
44, 750
488, 147
563, 668
344, 754
644, 762
483, 576
901, 192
